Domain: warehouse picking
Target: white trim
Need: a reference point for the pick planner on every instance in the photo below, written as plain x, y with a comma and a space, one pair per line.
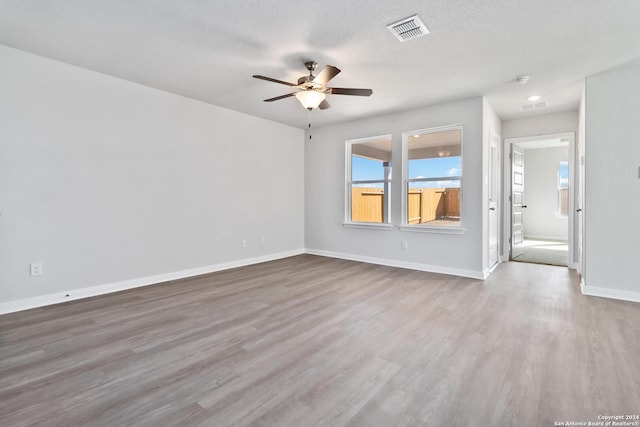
75, 294
548, 238
609, 293
60, 297
442, 229
488, 271
365, 225
400, 264
494, 182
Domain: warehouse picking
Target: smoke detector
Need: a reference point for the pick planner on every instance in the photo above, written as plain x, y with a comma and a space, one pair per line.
408, 29
522, 79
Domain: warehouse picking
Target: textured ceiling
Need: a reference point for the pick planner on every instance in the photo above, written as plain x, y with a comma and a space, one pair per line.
208, 50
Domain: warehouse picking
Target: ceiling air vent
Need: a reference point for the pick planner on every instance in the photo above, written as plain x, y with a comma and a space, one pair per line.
408, 29
537, 106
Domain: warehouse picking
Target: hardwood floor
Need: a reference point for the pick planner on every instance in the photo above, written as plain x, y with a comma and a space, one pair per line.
310, 341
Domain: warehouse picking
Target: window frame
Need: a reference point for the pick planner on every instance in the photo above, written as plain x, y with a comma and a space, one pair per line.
442, 229
386, 182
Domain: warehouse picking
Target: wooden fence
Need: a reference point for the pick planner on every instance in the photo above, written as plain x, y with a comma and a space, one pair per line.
367, 204
424, 204
564, 201
429, 204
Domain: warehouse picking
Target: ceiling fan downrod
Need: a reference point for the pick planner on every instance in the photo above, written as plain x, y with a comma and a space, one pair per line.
311, 66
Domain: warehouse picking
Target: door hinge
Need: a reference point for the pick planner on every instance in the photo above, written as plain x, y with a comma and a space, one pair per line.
509, 240
509, 197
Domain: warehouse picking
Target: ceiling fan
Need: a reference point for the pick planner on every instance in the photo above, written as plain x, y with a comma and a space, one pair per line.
313, 90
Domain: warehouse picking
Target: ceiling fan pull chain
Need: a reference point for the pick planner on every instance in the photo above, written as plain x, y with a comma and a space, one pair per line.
309, 123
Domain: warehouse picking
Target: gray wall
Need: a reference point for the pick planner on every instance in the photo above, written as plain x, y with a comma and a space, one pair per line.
544, 124
612, 205
325, 194
103, 180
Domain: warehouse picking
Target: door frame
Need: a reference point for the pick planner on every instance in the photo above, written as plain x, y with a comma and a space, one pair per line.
506, 212
495, 181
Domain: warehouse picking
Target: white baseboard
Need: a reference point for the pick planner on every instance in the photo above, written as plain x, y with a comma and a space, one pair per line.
60, 297
75, 294
488, 271
609, 293
401, 264
552, 238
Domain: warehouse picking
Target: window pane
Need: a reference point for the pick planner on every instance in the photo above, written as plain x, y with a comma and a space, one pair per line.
367, 204
563, 188
563, 175
369, 161
433, 206
436, 168
363, 169
369, 158
434, 162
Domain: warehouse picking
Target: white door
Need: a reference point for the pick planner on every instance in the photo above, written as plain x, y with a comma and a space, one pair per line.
494, 191
517, 202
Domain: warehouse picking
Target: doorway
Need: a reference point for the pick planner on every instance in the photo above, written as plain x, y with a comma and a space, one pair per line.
539, 191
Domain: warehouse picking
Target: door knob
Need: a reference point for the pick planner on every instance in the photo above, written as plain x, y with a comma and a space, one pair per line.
579, 210
524, 206
492, 209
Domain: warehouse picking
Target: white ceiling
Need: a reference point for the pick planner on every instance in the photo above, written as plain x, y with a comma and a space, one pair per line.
208, 50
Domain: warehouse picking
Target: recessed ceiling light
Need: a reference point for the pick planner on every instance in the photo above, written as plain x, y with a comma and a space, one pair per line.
534, 98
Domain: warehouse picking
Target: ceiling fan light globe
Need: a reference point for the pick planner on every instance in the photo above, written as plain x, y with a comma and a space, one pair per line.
310, 98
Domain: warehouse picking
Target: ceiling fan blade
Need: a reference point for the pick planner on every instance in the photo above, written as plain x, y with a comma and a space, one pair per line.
279, 97
350, 91
326, 74
324, 105
269, 79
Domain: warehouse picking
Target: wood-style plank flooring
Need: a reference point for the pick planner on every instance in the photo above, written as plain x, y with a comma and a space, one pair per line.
308, 341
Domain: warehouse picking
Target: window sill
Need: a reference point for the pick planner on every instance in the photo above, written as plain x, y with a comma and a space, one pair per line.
375, 226
440, 229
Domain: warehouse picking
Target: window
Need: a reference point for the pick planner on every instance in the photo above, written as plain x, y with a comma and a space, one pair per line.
433, 177
563, 188
368, 180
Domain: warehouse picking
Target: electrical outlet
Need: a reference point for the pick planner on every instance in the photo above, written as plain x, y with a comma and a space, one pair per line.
35, 269
243, 244
404, 244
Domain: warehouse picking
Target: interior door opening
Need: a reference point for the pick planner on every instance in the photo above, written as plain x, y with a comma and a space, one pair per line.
540, 196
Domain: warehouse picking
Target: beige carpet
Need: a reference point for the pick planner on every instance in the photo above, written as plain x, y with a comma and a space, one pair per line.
544, 252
